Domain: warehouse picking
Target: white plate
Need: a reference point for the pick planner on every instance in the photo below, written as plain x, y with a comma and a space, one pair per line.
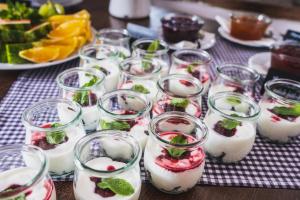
261, 62
7, 66
264, 42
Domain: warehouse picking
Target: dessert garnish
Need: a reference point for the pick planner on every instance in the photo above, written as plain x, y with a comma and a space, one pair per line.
227, 127
118, 54
140, 88
84, 97
117, 186
234, 101
180, 102
289, 113
186, 83
152, 48
102, 69
115, 125
175, 152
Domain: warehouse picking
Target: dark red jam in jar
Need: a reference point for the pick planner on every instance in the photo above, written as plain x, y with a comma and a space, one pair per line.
177, 27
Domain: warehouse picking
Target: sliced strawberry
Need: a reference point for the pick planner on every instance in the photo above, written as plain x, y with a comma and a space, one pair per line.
178, 121
275, 118
186, 83
205, 77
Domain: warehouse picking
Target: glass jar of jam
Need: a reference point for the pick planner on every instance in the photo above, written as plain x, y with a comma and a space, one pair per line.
179, 27
249, 27
286, 57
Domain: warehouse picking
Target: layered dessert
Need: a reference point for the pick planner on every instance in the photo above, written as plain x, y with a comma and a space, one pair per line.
178, 93
279, 122
125, 185
215, 88
174, 170
13, 185
229, 140
58, 145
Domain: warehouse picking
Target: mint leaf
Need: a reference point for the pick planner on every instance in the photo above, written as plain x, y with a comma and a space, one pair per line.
180, 102
117, 185
55, 137
140, 88
234, 101
175, 152
152, 48
21, 197
287, 111
81, 97
101, 69
190, 68
92, 81
230, 124
55, 125
114, 125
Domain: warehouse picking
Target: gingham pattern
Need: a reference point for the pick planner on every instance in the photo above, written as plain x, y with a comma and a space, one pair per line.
268, 165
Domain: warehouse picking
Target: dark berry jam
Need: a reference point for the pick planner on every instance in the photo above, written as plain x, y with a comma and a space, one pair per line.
225, 132
15, 189
102, 192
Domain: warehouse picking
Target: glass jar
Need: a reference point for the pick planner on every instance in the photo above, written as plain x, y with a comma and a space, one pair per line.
174, 158
178, 92
55, 126
117, 38
235, 78
24, 173
231, 121
140, 76
280, 105
105, 59
104, 159
142, 48
84, 86
125, 110
193, 62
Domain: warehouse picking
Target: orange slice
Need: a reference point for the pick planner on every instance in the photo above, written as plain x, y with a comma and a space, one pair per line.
40, 54
68, 29
65, 51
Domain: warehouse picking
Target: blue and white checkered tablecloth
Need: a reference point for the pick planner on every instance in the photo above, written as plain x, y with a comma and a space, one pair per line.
268, 165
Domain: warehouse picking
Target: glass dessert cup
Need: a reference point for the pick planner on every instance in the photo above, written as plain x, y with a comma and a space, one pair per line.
84, 86
174, 158
125, 110
280, 105
178, 27
117, 38
105, 59
24, 173
235, 78
193, 62
231, 121
54, 125
178, 92
145, 48
249, 27
107, 167
140, 75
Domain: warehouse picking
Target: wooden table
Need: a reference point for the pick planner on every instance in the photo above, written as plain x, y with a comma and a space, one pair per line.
101, 19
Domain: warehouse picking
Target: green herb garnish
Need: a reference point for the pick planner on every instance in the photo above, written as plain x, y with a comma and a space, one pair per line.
190, 67
175, 152
287, 111
91, 82
21, 197
81, 97
152, 48
101, 69
114, 125
180, 102
140, 89
234, 101
55, 137
230, 124
117, 185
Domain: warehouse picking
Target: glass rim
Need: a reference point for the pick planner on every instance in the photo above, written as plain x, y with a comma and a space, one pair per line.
261, 17
93, 46
188, 117
269, 91
238, 67
243, 98
192, 17
197, 52
113, 30
159, 52
108, 95
99, 74
43, 170
191, 79
44, 102
102, 134
146, 76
